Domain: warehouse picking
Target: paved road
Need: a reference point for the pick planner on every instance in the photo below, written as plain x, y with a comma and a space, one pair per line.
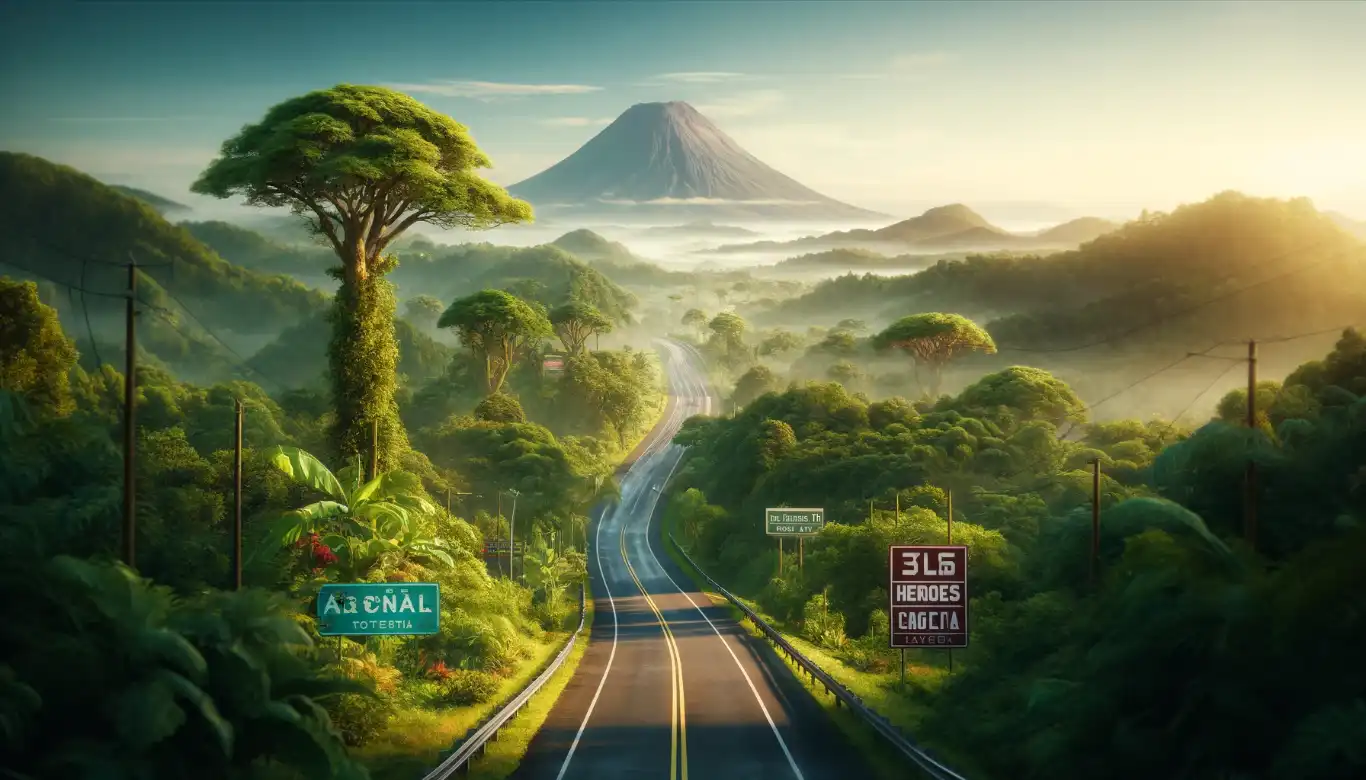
670, 686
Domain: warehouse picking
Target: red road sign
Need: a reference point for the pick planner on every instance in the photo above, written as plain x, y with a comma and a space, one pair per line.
928, 594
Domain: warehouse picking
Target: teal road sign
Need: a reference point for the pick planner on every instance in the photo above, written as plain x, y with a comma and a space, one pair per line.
379, 609
793, 522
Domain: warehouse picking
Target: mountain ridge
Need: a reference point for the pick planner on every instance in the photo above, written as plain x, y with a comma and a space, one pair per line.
953, 226
658, 159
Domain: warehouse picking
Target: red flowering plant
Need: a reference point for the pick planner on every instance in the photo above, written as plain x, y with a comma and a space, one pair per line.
358, 522
440, 671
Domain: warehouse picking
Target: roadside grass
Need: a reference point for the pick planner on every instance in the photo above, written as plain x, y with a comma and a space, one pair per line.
502, 757
878, 691
417, 737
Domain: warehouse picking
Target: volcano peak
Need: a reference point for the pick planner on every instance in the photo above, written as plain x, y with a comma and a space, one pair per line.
668, 157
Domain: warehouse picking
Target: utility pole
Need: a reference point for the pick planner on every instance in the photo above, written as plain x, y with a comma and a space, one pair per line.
374, 449
1250, 476
237, 500
1095, 519
512, 534
949, 515
130, 391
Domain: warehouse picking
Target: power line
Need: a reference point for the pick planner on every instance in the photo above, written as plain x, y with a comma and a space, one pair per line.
73, 255
89, 329
241, 360
1188, 310
166, 314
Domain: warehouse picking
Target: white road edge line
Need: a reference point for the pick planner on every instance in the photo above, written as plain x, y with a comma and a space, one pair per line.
754, 690
597, 553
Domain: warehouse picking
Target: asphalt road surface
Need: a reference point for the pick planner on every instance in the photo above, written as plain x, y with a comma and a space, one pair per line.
670, 686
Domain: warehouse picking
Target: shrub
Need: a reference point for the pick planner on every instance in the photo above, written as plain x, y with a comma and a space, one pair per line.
822, 624
469, 686
359, 718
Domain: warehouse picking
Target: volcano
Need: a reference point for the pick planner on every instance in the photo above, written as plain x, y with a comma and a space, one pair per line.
666, 160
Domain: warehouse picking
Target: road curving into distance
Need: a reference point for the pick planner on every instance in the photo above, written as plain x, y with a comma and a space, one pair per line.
671, 686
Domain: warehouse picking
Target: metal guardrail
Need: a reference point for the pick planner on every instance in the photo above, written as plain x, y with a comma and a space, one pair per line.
474, 745
885, 728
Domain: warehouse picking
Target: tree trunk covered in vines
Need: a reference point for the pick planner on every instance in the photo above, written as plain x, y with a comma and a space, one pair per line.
363, 369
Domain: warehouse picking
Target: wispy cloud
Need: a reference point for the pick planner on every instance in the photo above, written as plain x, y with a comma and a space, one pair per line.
700, 77
576, 121
743, 104
484, 90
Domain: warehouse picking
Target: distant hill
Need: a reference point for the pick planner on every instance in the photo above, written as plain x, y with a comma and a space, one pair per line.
544, 273
617, 261
67, 226
943, 228
251, 250
163, 205
1226, 269
1354, 226
667, 160
1078, 231
702, 229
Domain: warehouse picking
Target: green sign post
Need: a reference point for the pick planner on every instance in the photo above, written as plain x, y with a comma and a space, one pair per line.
379, 609
793, 522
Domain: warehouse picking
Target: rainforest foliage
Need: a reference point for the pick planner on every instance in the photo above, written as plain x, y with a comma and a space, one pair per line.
238, 684
1199, 652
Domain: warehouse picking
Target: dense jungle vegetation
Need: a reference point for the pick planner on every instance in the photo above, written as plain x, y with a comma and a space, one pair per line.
1203, 650
175, 674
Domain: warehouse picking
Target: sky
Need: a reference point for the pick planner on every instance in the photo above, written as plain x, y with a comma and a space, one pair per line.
1017, 108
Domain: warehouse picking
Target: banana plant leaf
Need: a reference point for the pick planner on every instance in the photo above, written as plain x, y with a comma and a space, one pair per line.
307, 470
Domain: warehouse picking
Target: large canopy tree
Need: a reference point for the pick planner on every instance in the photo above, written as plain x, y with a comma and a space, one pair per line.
575, 321
362, 165
933, 340
497, 326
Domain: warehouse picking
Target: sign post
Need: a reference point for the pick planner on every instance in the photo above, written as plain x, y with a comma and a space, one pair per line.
928, 594
782, 521
379, 609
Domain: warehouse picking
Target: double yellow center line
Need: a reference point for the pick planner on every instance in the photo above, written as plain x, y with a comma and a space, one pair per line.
678, 733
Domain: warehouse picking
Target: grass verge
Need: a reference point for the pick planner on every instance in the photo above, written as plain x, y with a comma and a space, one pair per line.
502, 757
874, 689
417, 737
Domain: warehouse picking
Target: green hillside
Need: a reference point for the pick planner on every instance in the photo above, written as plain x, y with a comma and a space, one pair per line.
71, 231
1242, 265
254, 251
163, 205
545, 273
79, 231
618, 262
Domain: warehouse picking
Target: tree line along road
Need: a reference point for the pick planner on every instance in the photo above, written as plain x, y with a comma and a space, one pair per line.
671, 686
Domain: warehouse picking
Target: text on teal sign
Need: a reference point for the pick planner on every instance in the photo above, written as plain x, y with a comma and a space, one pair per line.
378, 609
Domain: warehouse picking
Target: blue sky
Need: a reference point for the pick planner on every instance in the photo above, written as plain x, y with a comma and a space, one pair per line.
1093, 107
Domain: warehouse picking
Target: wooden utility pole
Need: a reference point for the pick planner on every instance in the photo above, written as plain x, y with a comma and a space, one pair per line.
130, 393
512, 535
237, 500
1250, 476
374, 449
949, 515
801, 555
1095, 520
